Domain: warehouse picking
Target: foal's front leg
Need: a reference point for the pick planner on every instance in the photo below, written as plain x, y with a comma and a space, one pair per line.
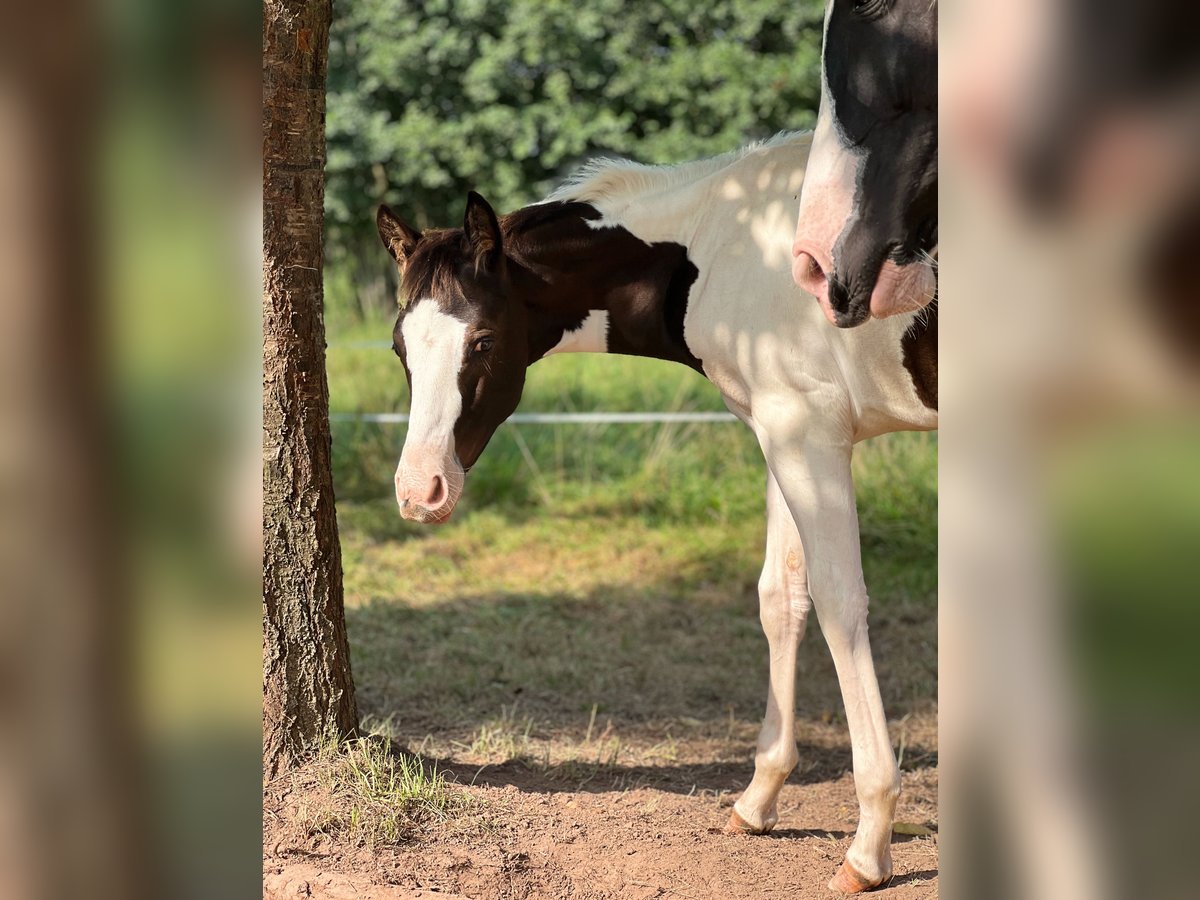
783, 607
813, 470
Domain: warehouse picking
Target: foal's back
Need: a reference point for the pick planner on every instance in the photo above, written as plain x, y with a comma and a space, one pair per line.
761, 340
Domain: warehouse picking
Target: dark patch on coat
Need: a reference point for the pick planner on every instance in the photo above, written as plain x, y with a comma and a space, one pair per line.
1172, 278
920, 349
642, 286
647, 319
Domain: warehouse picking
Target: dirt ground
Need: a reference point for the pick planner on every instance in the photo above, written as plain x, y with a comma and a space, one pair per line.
616, 831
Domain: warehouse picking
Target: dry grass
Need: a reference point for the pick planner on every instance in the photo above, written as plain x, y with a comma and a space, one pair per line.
502, 738
365, 792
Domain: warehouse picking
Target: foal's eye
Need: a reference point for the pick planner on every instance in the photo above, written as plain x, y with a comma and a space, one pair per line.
870, 8
483, 345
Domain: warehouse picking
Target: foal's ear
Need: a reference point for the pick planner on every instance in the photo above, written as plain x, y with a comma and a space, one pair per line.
483, 233
400, 239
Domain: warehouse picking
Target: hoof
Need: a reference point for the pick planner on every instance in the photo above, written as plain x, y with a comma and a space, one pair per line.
849, 881
738, 825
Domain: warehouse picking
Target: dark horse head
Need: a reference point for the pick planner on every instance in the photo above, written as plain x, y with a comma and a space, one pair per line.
486, 301
465, 347
867, 234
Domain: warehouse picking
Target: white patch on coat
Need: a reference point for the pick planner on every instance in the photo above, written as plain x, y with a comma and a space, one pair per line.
744, 318
590, 337
435, 346
609, 179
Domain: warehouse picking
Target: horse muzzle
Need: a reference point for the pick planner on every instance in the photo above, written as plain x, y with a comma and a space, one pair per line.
428, 486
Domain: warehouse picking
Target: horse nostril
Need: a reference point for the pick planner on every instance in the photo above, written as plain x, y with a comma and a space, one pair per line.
437, 492
808, 274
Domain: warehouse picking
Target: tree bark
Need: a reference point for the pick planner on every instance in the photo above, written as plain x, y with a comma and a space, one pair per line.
308, 692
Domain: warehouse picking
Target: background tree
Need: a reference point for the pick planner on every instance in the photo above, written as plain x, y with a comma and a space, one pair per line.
431, 98
308, 692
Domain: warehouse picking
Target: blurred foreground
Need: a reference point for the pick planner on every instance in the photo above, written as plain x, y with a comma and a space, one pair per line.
129, 512
1070, 480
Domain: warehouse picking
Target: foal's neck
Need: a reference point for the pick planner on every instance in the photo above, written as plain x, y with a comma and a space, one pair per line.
600, 289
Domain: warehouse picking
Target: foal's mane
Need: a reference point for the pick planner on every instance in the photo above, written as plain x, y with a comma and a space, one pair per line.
431, 269
608, 178
434, 265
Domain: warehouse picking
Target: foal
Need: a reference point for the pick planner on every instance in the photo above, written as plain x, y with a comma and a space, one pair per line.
688, 264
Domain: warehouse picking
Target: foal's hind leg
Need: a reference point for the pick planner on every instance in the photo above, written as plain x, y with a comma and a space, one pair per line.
783, 606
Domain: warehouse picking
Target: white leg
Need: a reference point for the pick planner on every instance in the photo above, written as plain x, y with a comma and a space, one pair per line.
813, 471
783, 606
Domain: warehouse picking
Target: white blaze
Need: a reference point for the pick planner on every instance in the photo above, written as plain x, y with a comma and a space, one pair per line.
434, 344
830, 179
830, 184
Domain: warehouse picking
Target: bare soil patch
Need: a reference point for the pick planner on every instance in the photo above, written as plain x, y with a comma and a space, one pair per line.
566, 828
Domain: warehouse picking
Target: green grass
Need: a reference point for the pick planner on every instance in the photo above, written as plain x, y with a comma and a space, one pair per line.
607, 567
366, 792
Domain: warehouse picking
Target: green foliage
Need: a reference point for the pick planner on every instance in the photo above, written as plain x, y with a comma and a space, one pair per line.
430, 99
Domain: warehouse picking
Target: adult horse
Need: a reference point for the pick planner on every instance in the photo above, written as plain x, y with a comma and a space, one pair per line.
866, 239
688, 264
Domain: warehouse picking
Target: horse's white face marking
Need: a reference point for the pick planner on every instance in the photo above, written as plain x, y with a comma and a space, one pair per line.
827, 201
590, 337
429, 477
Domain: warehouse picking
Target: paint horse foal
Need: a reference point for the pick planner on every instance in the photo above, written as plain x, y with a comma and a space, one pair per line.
689, 264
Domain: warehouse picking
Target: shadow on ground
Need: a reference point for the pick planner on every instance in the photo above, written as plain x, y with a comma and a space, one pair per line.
821, 764
660, 685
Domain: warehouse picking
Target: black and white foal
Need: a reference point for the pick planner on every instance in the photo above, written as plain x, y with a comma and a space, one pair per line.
689, 264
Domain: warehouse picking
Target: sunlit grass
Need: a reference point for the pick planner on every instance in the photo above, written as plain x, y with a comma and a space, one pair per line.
369, 793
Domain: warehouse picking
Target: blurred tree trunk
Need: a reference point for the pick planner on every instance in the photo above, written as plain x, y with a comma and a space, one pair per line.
308, 692
75, 820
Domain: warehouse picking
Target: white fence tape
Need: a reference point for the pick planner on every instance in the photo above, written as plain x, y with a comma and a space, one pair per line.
563, 418
556, 418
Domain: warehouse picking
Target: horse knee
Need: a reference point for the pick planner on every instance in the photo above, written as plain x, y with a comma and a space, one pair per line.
782, 605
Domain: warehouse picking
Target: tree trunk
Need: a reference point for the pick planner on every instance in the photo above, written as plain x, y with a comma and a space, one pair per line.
308, 692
